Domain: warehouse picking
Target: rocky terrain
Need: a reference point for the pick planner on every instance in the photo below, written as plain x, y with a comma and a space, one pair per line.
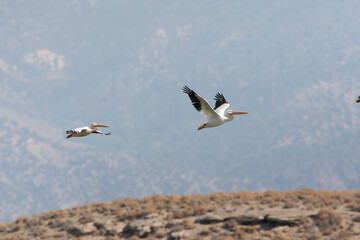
301, 214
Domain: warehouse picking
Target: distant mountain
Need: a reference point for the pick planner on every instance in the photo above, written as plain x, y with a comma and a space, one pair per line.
293, 66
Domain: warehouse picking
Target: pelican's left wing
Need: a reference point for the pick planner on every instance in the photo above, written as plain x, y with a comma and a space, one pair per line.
221, 104
200, 104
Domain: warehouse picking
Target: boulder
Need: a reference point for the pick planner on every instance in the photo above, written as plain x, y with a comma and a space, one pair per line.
137, 229
152, 216
289, 218
210, 218
83, 229
179, 235
248, 219
143, 228
113, 230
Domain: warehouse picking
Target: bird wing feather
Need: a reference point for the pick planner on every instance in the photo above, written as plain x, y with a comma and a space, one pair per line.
221, 104
200, 104
221, 109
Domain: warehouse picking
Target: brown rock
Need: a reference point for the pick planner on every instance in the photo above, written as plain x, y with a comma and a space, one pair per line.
83, 229
209, 219
179, 235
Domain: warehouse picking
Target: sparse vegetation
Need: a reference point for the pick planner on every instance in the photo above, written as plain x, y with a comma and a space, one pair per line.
188, 224
332, 213
327, 221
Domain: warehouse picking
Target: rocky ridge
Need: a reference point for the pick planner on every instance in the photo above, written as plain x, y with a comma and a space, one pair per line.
303, 214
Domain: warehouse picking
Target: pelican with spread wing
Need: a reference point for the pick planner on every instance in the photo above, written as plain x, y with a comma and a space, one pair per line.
84, 131
214, 117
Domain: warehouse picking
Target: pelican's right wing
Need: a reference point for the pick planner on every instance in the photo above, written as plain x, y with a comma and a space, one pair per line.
200, 104
221, 104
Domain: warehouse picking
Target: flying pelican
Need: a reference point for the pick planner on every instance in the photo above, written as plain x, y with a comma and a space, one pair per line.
358, 100
214, 117
84, 131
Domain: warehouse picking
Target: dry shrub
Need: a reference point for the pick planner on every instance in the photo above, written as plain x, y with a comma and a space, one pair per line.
131, 203
59, 235
156, 198
103, 208
129, 215
185, 199
306, 195
250, 229
236, 203
327, 221
3, 227
38, 231
227, 237
215, 228
75, 211
212, 208
280, 236
356, 219
117, 203
239, 234
267, 234
205, 232
344, 234
328, 198
290, 204
249, 195
354, 206
54, 214
274, 204
64, 224
145, 210
291, 195
169, 216
134, 238
13, 236
34, 221
118, 213
88, 217
161, 233
230, 224
188, 224
184, 212
111, 238
22, 220
178, 214
200, 210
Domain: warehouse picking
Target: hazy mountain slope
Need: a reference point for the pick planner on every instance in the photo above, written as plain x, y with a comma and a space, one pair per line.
292, 65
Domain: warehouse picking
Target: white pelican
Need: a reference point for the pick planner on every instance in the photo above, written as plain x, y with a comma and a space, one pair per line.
214, 117
358, 100
84, 131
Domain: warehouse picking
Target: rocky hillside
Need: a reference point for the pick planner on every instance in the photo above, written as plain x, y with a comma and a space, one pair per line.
301, 214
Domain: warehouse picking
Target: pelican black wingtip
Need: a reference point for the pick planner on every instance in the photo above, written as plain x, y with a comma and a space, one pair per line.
186, 89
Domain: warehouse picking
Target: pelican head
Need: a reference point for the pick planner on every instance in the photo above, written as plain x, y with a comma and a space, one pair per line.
358, 100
